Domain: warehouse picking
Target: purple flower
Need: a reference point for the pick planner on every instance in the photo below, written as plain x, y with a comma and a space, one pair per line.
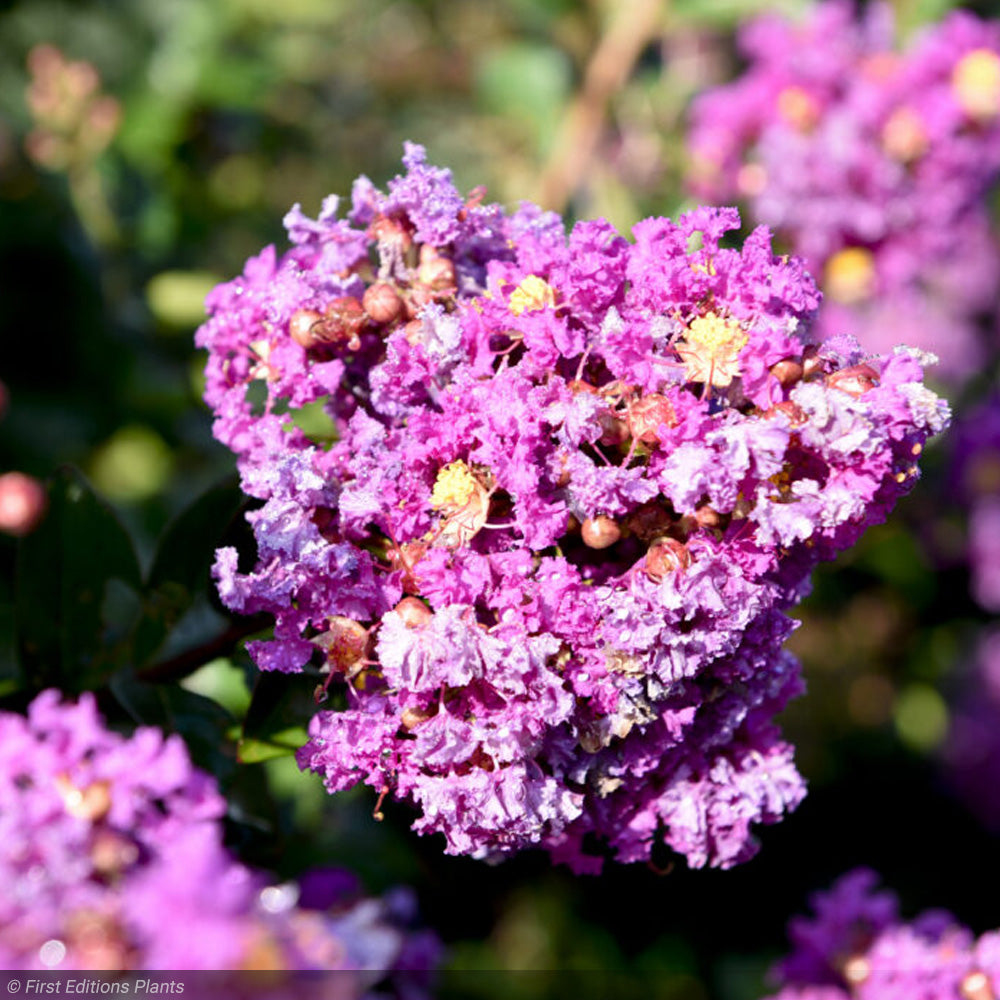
546, 555
856, 947
111, 858
873, 164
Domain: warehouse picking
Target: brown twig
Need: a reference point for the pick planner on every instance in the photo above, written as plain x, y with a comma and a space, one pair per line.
631, 26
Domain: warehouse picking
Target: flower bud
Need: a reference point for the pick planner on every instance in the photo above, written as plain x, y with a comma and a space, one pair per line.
436, 271
976, 986
787, 372
111, 852
92, 803
614, 430
344, 642
22, 503
855, 381
343, 321
790, 409
303, 326
665, 556
382, 303
412, 717
649, 520
812, 364
707, 517
390, 233
857, 970
600, 532
647, 414
414, 612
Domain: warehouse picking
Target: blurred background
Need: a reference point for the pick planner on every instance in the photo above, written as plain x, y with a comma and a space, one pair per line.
148, 148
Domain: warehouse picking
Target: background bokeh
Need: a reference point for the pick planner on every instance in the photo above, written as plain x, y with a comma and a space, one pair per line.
147, 148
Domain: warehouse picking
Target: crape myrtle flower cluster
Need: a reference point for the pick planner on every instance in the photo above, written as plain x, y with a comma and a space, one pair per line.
567, 488
111, 857
871, 163
857, 947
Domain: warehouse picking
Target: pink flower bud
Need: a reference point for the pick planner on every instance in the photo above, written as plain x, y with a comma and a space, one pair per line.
382, 303
646, 415
600, 532
788, 371
413, 611
303, 326
22, 503
855, 381
665, 556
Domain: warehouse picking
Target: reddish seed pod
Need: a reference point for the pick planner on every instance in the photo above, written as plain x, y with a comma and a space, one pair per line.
665, 556
600, 532
855, 381
413, 611
788, 371
382, 303
646, 415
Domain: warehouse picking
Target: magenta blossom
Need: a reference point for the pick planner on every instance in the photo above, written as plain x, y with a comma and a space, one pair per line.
111, 858
544, 551
873, 164
856, 947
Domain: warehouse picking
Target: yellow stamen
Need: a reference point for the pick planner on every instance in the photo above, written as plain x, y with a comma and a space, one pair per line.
455, 486
975, 82
849, 276
531, 295
711, 348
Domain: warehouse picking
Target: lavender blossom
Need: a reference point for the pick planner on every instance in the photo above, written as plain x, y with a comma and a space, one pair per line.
873, 164
856, 947
546, 548
111, 858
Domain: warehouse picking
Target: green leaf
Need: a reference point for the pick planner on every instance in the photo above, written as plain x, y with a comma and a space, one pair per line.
76, 578
202, 723
180, 576
276, 720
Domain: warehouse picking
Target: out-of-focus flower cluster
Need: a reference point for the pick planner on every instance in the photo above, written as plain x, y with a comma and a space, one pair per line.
74, 121
857, 947
873, 164
111, 857
566, 489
